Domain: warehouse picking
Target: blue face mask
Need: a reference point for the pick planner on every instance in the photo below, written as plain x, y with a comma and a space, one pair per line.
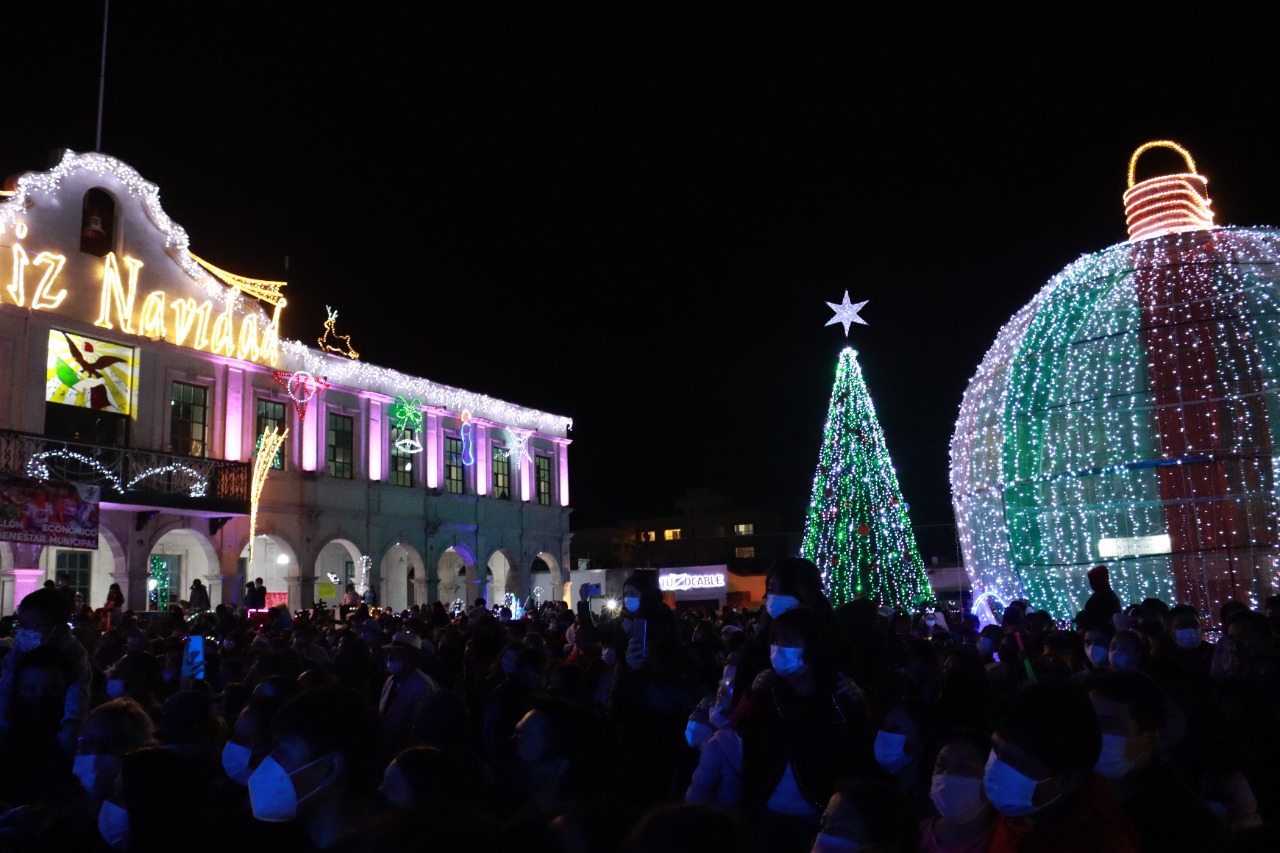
986, 645
776, 605
1009, 791
271, 792
786, 660
115, 688
631, 604
113, 825
696, 734
235, 760
891, 751
26, 639
1114, 761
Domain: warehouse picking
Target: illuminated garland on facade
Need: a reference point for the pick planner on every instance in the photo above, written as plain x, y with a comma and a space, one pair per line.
368, 377
857, 530
468, 439
38, 467
331, 335
302, 386
269, 444
406, 415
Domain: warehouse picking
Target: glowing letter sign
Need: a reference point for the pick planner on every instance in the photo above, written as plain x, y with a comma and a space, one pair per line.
682, 581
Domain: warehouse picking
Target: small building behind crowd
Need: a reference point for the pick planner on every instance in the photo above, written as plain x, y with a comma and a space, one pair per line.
145, 392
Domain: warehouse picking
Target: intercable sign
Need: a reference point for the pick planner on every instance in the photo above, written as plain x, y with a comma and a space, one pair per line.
677, 582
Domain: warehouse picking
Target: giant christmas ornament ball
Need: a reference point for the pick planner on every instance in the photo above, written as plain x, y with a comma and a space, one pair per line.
1128, 416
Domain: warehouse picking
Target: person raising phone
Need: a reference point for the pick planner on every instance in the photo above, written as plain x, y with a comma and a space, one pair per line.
652, 695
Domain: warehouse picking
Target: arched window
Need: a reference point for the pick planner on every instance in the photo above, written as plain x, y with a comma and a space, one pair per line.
97, 223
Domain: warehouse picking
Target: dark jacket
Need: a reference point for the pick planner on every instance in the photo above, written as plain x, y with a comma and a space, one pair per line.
822, 736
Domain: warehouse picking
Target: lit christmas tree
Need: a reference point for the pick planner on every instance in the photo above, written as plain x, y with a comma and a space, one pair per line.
857, 530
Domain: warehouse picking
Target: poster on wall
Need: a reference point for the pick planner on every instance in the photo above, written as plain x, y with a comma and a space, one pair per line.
88, 373
48, 512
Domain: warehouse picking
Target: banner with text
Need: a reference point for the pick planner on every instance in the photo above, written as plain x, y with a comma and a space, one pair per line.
48, 512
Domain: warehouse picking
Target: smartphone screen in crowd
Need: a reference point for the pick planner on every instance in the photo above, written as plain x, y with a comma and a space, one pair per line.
640, 631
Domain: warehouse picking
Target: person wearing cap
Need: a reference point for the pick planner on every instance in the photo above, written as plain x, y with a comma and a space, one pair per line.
405, 690
1103, 604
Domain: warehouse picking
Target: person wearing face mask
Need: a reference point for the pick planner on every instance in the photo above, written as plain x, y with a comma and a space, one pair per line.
904, 744
1040, 775
136, 674
1182, 654
42, 620
320, 774
651, 696
406, 688
802, 729
965, 820
250, 739
152, 804
1128, 651
1097, 650
1168, 813
792, 583
70, 817
988, 643
717, 779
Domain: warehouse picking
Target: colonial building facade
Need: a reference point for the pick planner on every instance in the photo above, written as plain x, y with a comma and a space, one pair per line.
138, 381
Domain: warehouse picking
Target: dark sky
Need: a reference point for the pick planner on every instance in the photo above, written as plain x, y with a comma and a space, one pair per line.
633, 214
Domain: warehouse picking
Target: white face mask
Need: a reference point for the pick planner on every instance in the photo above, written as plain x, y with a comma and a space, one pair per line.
826, 843
235, 760
631, 604
113, 825
1009, 791
776, 605
97, 773
1113, 761
890, 750
958, 799
1098, 654
1187, 638
115, 688
786, 660
271, 791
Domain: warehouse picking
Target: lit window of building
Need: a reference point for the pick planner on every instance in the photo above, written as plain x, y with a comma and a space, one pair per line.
340, 442
453, 464
188, 417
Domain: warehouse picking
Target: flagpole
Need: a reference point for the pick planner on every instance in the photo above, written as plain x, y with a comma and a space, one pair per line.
102, 75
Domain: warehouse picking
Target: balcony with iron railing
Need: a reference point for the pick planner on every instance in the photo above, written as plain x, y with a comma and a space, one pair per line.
136, 478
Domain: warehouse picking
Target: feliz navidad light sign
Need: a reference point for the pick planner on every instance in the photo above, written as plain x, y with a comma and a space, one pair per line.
197, 305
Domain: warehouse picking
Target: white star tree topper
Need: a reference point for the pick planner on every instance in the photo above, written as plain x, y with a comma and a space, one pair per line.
846, 313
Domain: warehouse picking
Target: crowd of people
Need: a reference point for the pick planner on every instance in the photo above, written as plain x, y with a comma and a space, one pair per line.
790, 728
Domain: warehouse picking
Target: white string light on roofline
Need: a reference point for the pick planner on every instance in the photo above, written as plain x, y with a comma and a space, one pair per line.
176, 240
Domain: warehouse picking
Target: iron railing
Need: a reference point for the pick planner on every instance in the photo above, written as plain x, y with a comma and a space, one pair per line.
129, 476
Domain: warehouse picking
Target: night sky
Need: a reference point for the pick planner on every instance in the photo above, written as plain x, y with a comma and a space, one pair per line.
633, 214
